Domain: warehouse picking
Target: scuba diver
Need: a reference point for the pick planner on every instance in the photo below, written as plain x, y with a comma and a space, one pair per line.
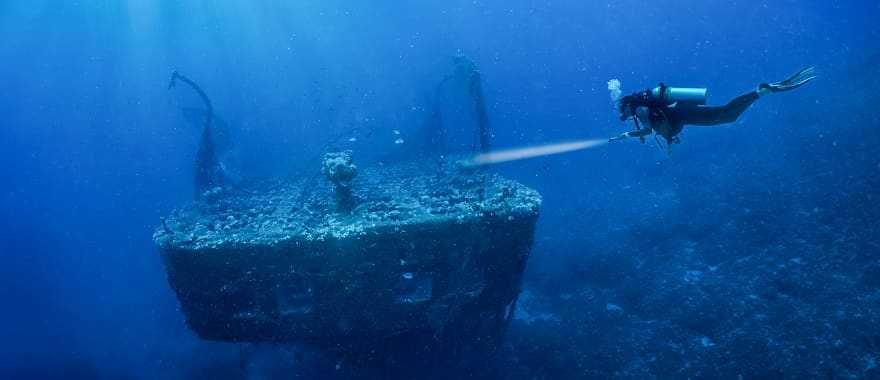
666, 110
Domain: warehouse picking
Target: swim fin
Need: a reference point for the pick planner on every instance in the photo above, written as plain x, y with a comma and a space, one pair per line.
798, 79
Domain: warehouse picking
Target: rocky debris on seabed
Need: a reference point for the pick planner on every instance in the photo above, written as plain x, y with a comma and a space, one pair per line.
784, 285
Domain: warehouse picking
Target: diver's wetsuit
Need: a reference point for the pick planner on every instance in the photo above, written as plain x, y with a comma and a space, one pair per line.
668, 121
659, 112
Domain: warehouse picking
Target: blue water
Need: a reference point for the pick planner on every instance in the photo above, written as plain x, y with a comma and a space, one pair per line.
753, 249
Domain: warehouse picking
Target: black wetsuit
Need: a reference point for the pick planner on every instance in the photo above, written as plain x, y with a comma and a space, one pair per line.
668, 121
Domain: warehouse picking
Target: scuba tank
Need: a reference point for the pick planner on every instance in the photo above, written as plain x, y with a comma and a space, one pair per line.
690, 95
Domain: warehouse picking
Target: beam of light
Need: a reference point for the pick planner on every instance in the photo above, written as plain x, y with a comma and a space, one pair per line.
532, 151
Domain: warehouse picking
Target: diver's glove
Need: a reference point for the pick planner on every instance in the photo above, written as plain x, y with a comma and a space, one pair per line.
798, 79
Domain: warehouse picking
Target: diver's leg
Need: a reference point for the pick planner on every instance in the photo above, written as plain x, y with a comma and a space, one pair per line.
728, 113
737, 106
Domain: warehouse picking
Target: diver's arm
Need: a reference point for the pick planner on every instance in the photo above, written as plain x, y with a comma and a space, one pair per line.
637, 133
640, 132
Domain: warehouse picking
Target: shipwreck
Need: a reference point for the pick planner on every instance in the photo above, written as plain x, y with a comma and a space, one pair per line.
424, 256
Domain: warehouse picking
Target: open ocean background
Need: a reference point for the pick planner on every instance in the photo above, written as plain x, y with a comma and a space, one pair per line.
753, 250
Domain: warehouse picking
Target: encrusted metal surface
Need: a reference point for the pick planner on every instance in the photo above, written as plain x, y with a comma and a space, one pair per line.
388, 197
